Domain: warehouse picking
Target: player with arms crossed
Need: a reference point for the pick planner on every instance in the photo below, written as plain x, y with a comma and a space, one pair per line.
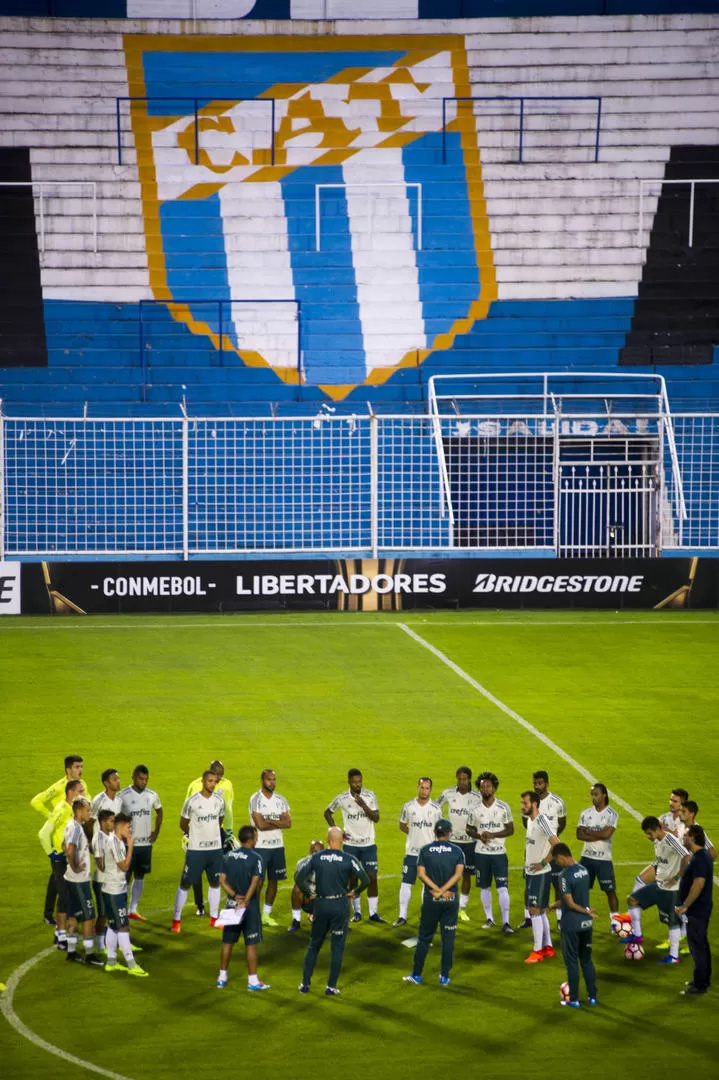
80, 908
596, 827
459, 802
490, 823
539, 842
576, 926
270, 814
417, 821
360, 814
117, 850
201, 821
440, 865
670, 858
139, 801
672, 819
241, 878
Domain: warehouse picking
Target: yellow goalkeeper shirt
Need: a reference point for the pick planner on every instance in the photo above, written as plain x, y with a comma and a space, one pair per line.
46, 801
224, 788
52, 833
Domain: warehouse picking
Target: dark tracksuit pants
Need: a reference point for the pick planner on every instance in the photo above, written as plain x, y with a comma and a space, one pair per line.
330, 916
577, 950
699, 948
434, 913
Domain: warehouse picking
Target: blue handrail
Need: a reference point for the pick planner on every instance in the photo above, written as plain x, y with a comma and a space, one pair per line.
220, 306
195, 101
521, 99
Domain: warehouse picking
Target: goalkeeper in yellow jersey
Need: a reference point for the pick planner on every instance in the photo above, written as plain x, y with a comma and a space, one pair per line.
51, 837
45, 802
226, 791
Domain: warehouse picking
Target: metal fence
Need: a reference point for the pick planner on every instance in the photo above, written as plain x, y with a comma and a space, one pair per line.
202, 487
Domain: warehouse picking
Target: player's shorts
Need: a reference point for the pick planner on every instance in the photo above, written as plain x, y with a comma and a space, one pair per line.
141, 861
490, 867
79, 901
601, 870
409, 869
647, 896
273, 860
115, 908
59, 866
536, 890
470, 856
198, 863
366, 856
665, 899
250, 928
97, 893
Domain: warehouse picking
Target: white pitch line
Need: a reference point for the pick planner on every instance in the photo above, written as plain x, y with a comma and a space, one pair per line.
240, 623
489, 696
6, 1006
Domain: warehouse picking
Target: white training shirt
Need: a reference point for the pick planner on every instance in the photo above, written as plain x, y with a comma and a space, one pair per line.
492, 818
592, 818
140, 804
204, 817
310, 884
114, 851
97, 850
359, 829
421, 821
552, 808
101, 802
459, 808
668, 855
674, 825
270, 809
537, 846
75, 834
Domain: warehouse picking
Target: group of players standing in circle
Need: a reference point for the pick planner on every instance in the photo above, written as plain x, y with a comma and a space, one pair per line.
450, 841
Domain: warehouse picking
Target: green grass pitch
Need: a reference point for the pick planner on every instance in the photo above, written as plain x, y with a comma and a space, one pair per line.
631, 697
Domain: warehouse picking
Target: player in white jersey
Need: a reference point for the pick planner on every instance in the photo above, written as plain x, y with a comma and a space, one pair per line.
201, 821
688, 816
360, 814
670, 858
596, 828
270, 814
106, 823
116, 848
555, 812
672, 819
416, 821
299, 901
541, 838
108, 799
460, 801
80, 908
490, 823
139, 801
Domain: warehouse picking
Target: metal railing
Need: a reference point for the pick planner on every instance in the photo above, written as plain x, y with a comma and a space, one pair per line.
196, 487
521, 99
180, 98
661, 182
41, 185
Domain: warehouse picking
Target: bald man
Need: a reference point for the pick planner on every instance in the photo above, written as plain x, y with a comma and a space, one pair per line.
339, 877
224, 788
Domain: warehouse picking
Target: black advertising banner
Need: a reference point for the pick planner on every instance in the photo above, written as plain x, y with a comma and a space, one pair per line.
368, 585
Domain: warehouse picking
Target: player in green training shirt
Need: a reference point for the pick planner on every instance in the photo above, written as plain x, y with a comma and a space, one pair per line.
52, 836
440, 865
335, 874
45, 802
576, 924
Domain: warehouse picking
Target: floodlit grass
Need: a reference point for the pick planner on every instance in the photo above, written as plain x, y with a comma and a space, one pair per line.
631, 697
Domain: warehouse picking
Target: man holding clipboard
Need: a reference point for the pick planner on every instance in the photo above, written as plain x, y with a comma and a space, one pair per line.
241, 878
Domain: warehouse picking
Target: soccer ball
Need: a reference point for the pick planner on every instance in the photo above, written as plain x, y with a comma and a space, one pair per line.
564, 992
622, 926
634, 951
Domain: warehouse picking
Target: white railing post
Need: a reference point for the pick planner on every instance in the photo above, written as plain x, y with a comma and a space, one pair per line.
374, 483
185, 487
691, 213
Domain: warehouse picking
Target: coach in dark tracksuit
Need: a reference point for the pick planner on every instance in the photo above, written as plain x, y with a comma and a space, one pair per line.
440, 866
695, 891
576, 925
335, 874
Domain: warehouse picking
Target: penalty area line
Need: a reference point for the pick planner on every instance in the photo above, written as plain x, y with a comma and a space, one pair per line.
6, 1006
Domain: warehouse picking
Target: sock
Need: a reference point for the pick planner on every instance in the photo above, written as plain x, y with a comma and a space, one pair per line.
213, 899
546, 932
356, 905
253, 980
111, 940
137, 886
636, 916
674, 936
503, 897
526, 913
72, 943
100, 941
180, 898
123, 938
559, 916
267, 909
638, 883
537, 931
372, 902
296, 914
486, 895
463, 901
223, 975
89, 945
61, 935
405, 892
